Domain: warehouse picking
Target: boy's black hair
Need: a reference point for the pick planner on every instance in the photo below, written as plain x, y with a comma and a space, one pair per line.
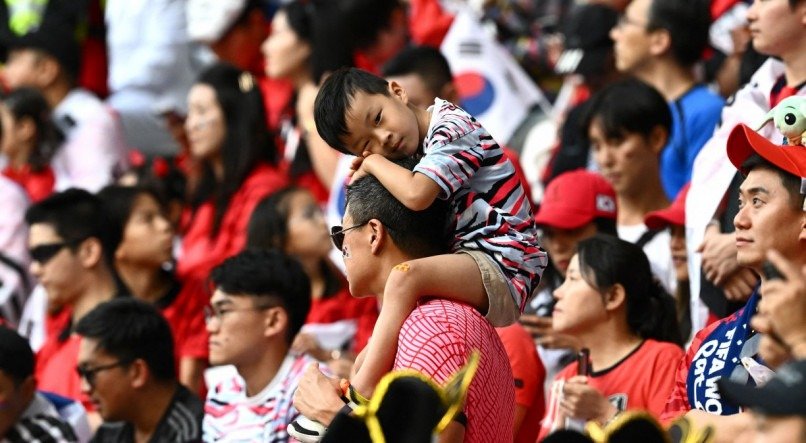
688, 23
131, 329
424, 61
417, 233
606, 260
30, 103
626, 107
77, 215
119, 203
247, 141
333, 102
267, 274
789, 181
16, 356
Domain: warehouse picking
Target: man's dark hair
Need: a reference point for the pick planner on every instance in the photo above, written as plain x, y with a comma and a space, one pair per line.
333, 102
16, 356
627, 107
130, 330
365, 19
271, 276
424, 61
77, 215
416, 233
688, 23
789, 181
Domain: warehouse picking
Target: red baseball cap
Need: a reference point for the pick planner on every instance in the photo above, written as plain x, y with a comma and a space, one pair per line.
575, 198
744, 141
675, 214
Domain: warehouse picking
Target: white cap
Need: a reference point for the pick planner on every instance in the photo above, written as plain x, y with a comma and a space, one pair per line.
208, 20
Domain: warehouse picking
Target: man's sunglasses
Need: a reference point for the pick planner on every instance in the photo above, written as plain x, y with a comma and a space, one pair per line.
88, 374
45, 252
337, 234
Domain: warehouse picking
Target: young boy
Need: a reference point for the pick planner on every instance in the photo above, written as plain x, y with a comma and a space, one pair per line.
499, 260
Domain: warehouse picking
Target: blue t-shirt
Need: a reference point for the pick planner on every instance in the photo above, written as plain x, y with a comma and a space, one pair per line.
694, 117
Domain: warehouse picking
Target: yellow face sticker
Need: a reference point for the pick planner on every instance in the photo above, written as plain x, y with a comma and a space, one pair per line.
403, 267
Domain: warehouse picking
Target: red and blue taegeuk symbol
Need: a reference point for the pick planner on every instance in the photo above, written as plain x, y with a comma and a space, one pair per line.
476, 92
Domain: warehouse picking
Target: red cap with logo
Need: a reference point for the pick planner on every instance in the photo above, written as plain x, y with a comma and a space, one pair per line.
576, 198
675, 214
744, 141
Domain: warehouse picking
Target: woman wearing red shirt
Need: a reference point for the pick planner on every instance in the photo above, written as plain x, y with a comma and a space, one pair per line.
611, 304
292, 221
29, 141
237, 163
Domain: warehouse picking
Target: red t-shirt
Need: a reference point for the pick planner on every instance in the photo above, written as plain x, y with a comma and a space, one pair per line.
437, 338
200, 252
529, 374
642, 380
343, 306
38, 185
56, 368
183, 308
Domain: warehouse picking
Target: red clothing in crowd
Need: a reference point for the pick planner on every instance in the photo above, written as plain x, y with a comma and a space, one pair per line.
529, 374
183, 308
200, 252
56, 368
641, 380
38, 185
343, 306
437, 338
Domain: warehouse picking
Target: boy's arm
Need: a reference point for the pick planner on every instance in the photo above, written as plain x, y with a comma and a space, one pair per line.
416, 191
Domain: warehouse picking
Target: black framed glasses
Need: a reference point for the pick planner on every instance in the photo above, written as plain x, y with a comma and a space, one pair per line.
215, 313
45, 252
337, 234
89, 374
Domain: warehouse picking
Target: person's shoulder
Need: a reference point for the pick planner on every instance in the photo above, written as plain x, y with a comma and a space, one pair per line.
112, 432
449, 122
705, 101
185, 416
662, 350
263, 178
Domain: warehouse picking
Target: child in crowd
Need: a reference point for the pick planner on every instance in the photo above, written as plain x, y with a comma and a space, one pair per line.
500, 261
29, 141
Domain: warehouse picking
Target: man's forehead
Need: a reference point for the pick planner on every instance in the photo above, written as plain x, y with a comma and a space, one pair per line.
761, 179
43, 233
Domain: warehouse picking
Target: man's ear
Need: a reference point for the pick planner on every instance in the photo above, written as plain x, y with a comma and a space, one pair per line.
660, 42
91, 252
378, 236
275, 321
658, 139
397, 91
48, 71
139, 372
449, 92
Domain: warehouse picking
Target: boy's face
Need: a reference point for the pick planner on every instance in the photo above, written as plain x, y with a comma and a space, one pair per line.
381, 124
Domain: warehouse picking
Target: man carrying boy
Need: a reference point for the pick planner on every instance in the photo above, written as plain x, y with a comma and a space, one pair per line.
436, 339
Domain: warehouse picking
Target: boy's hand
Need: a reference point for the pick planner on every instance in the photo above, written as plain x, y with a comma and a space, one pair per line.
360, 166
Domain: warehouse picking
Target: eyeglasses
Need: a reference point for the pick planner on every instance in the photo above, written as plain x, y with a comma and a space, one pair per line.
89, 374
215, 313
45, 252
337, 234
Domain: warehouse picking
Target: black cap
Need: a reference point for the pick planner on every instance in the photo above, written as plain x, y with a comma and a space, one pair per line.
16, 356
784, 394
587, 39
56, 39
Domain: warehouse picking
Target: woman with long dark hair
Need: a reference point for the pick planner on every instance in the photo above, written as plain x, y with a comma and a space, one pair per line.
237, 162
338, 324
615, 308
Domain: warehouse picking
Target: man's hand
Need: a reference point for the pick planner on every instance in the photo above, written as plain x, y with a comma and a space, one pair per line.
318, 397
581, 400
782, 309
541, 330
739, 286
718, 255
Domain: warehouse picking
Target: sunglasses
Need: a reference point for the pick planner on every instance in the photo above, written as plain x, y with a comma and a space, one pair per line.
337, 234
89, 374
45, 252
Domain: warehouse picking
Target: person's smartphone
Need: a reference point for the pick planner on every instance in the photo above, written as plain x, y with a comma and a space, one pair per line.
771, 272
584, 362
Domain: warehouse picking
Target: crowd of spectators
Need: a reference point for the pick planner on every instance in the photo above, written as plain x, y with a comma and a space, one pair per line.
227, 220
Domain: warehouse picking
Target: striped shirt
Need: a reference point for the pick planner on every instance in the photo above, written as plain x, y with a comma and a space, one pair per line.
492, 212
40, 423
229, 415
181, 423
437, 338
